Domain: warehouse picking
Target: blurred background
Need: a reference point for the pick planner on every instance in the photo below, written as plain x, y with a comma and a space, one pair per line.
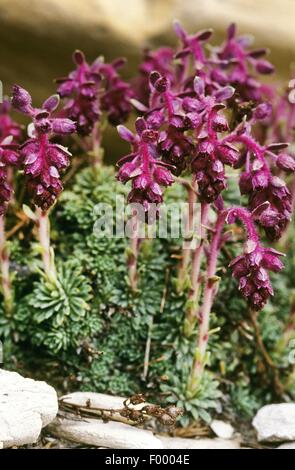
37, 37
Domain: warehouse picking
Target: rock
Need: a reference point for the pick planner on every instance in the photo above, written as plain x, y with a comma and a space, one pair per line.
97, 400
275, 423
222, 429
119, 28
26, 406
288, 445
94, 26
202, 443
112, 435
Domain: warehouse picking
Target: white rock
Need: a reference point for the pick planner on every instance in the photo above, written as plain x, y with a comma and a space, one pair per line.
222, 429
26, 406
97, 400
288, 445
275, 423
112, 434
202, 443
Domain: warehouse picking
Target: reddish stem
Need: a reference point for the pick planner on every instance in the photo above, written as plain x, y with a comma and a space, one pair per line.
96, 145
252, 145
5, 276
191, 314
187, 250
43, 226
133, 255
204, 314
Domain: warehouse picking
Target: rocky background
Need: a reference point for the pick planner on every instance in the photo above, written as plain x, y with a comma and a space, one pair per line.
38, 37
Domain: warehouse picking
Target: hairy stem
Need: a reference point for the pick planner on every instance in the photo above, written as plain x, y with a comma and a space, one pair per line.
147, 350
199, 361
43, 226
96, 145
187, 248
191, 314
5, 277
133, 255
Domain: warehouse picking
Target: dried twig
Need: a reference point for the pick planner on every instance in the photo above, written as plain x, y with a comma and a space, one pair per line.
166, 416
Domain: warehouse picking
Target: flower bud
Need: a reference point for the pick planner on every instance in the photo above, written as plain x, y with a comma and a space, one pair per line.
163, 176
219, 123
264, 67
286, 162
63, 126
21, 100
260, 180
262, 111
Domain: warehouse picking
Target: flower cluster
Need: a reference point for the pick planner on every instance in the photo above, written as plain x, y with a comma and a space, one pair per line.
116, 96
160, 60
186, 108
172, 116
261, 185
80, 89
212, 153
251, 268
8, 127
233, 62
8, 157
91, 88
42, 159
10, 133
143, 167
204, 110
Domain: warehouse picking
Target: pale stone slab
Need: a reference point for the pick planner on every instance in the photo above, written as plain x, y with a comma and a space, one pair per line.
275, 423
113, 435
26, 406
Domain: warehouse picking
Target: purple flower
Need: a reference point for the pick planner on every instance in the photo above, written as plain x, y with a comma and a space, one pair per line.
160, 60
115, 100
8, 157
286, 162
92, 88
209, 171
193, 44
262, 111
234, 63
261, 186
80, 89
43, 162
212, 154
21, 100
42, 159
175, 147
142, 167
275, 218
173, 116
251, 268
8, 127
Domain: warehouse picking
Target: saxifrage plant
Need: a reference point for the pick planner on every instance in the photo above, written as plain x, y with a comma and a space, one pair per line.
206, 122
